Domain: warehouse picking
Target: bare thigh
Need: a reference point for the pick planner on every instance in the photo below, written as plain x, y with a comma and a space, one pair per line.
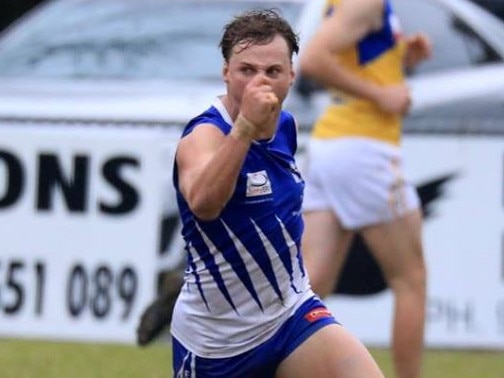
331, 352
397, 246
324, 247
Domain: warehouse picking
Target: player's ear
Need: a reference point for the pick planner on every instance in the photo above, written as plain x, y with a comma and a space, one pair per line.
225, 72
292, 75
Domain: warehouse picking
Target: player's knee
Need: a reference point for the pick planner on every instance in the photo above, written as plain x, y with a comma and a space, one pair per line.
414, 282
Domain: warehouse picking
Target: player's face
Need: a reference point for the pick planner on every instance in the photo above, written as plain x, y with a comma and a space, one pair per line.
272, 60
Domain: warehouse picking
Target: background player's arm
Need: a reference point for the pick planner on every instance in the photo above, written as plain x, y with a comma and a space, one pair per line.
418, 49
349, 23
343, 29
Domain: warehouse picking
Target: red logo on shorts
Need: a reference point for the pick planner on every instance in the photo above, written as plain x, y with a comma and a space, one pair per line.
318, 313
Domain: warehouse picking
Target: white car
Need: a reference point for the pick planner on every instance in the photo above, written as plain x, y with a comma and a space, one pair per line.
155, 63
463, 81
131, 61
158, 61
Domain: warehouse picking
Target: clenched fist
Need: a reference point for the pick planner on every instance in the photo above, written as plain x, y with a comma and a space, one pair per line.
259, 109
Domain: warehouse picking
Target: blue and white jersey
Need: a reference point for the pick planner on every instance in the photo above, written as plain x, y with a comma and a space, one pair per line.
245, 274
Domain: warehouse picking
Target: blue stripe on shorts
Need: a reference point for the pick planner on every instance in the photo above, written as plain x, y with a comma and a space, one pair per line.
263, 360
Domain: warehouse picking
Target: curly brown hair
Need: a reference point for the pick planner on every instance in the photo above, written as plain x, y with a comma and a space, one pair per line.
257, 26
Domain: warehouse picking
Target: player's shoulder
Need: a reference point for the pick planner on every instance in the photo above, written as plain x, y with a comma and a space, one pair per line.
211, 116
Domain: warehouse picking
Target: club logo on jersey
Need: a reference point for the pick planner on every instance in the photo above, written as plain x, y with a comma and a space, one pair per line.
317, 313
258, 184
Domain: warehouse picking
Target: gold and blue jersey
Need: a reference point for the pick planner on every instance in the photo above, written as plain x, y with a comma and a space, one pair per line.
378, 57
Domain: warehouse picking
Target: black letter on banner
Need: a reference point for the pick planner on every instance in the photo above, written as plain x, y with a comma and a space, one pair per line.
16, 286
73, 188
14, 180
129, 195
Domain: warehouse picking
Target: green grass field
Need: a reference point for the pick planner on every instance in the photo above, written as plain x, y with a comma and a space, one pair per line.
37, 359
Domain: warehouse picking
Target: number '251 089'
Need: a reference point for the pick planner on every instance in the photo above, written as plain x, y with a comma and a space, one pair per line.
94, 291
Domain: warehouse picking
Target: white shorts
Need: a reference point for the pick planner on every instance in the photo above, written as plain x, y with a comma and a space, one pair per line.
359, 179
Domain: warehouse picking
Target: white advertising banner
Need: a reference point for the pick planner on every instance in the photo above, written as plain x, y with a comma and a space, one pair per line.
80, 214
464, 246
81, 210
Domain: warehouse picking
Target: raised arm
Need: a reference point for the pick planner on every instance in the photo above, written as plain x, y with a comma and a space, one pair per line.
209, 162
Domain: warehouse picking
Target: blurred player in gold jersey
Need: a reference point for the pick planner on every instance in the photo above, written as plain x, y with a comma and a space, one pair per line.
354, 180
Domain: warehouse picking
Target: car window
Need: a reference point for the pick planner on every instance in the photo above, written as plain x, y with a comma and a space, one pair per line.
127, 39
494, 6
455, 43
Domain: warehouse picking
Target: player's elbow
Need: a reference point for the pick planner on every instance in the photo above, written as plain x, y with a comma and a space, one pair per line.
204, 208
206, 213
309, 66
